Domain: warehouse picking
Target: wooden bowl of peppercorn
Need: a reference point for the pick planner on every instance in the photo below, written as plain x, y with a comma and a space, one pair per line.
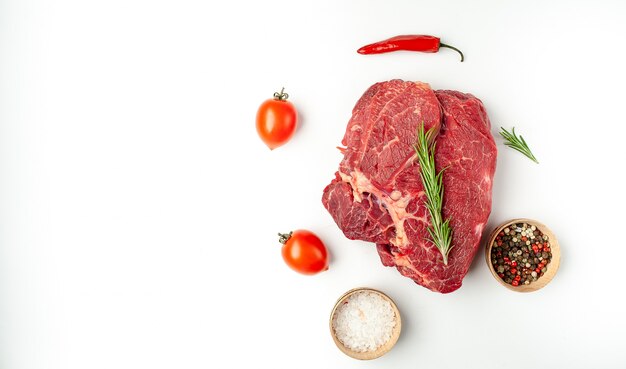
523, 254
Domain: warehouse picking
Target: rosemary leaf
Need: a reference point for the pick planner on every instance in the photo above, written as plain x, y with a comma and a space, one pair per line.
439, 230
517, 143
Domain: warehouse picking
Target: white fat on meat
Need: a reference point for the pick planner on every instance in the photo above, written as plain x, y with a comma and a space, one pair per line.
394, 203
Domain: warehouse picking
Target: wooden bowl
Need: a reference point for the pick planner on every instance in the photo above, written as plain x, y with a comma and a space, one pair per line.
380, 351
552, 267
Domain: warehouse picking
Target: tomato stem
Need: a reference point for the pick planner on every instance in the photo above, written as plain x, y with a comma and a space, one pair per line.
282, 95
284, 237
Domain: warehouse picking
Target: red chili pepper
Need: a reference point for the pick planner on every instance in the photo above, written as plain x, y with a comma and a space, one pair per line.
423, 43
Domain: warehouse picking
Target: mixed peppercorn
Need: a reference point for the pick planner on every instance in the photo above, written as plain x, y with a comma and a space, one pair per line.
520, 254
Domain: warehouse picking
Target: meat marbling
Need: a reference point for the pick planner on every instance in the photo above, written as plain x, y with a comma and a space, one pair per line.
377, 194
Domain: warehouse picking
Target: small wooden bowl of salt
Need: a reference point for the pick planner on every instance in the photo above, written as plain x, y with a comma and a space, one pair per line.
365, 323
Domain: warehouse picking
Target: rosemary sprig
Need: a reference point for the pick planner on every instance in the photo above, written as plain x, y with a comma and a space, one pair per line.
518, 143
440, 231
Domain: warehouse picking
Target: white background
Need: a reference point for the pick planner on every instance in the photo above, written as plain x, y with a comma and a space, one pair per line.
139, 209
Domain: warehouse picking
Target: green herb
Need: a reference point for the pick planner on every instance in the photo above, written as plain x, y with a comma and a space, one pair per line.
518, 143
440, 231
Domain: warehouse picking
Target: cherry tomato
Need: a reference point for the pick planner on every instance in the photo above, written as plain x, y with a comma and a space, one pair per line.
276, 120
304, 252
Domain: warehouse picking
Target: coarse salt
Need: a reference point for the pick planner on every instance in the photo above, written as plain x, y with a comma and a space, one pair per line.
364, 321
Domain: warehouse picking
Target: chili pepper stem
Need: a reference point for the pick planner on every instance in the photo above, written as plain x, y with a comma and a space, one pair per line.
453, 48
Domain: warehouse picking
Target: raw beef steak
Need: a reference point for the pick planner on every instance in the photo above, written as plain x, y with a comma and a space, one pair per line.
377, 194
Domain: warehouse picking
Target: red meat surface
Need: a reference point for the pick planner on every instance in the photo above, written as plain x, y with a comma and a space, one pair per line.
377, 193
